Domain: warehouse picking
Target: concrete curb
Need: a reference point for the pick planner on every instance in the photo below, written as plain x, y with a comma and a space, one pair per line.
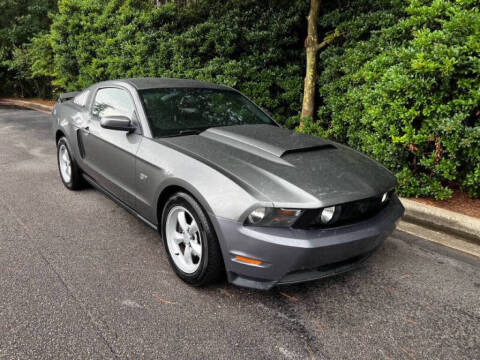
31, 105
442, 220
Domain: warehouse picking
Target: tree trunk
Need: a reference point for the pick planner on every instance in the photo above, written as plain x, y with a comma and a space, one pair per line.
311, 47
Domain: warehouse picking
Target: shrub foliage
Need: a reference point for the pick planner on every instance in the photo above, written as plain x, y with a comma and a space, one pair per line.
401, 82
20, 20
404, 87
252, 45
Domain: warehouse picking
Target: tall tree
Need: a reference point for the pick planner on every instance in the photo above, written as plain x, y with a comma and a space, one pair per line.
312, 46
20, 21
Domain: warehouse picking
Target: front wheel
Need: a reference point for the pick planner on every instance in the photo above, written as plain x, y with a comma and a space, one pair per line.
190, 241
69, 171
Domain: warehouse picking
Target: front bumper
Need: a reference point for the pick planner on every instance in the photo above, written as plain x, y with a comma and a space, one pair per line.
296, 255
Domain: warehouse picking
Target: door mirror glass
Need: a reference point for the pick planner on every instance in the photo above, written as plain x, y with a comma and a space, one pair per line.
117, 122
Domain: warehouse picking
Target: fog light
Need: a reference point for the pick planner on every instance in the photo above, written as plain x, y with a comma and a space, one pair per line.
327, 214
256, 216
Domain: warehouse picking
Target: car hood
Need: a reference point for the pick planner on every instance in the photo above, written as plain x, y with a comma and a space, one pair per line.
287, 168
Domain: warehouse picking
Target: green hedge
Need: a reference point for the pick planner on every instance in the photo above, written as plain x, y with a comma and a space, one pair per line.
255, 46
401, 83
20, 20
403, 86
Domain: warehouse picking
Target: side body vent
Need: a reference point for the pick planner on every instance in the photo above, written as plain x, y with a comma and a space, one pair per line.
80, 144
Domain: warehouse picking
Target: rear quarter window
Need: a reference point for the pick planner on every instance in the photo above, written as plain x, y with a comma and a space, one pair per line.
81, 99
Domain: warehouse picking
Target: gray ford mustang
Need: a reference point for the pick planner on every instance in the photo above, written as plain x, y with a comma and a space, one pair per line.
228, 189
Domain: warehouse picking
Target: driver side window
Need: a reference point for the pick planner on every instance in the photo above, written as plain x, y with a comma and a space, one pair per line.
112, 101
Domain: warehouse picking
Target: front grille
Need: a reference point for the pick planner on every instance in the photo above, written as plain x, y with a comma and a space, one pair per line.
347, 213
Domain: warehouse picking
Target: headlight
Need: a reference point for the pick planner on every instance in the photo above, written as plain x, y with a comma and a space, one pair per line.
273, 217
256, 216
327, 214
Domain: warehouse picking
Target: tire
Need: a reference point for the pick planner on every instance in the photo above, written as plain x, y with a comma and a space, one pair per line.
73, 179
205, 269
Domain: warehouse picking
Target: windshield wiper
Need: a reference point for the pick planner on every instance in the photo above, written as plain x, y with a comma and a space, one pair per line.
184, 132
190, 131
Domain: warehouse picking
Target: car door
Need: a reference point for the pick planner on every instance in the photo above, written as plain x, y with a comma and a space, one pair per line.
109, 155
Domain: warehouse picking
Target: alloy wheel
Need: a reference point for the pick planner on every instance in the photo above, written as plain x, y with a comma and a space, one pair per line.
184, 239
65, 163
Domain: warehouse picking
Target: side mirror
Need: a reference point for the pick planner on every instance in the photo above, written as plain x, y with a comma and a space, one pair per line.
117, 122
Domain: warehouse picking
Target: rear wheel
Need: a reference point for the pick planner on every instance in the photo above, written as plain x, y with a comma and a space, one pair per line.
190, 241
70, 173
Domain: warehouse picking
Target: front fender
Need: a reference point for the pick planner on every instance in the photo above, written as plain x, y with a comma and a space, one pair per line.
174, 182
162, 167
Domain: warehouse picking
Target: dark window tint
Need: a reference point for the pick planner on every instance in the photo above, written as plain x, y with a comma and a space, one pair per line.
171, 111
113, 101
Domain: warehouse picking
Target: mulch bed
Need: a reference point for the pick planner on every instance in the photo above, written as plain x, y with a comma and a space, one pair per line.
460, 202
37, 101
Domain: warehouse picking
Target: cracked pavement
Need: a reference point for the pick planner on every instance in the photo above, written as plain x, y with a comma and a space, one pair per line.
82, 278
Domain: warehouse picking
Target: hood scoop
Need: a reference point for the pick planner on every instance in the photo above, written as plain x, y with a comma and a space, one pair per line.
307, 149
271, 139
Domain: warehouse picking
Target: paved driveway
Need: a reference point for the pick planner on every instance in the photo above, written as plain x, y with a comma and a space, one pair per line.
82, 278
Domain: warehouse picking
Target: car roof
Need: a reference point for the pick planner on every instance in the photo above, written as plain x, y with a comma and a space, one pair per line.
156, 83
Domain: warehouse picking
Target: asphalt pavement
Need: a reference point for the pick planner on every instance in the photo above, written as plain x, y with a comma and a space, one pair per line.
82, 278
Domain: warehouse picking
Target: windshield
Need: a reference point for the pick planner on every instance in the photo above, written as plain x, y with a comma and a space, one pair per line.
178, 111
